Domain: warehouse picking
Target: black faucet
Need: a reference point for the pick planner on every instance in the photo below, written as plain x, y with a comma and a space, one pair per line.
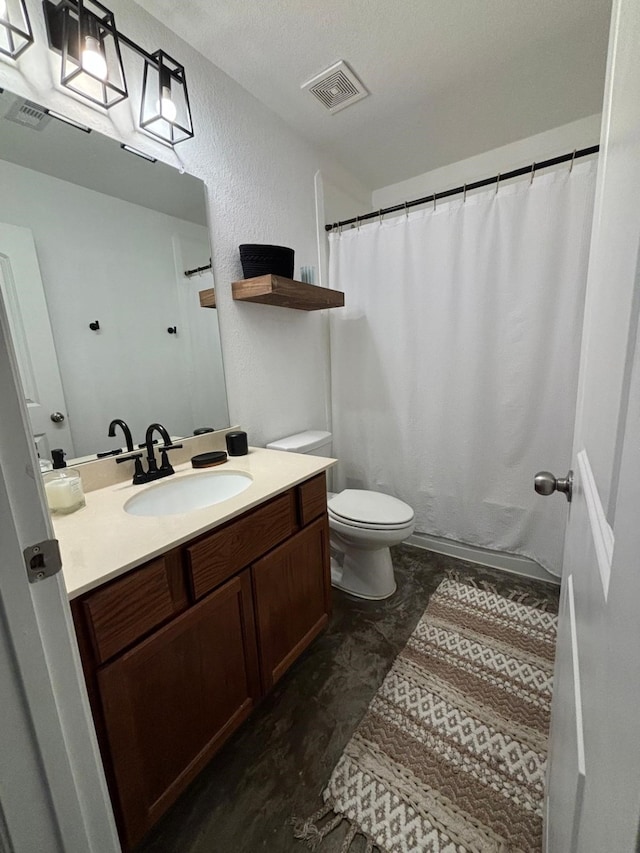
125, 429
152, 472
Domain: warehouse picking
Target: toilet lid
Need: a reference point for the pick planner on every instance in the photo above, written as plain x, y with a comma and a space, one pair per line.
371, 508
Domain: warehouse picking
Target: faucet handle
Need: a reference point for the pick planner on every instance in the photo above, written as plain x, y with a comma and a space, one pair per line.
129, 457
170, 447
138, 474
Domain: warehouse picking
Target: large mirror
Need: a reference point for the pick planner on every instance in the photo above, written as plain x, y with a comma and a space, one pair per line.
95, 242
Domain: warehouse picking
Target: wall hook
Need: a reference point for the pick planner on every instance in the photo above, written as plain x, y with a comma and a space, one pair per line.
95, 326
173, 330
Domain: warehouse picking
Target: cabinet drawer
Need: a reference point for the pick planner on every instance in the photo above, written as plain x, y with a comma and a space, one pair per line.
128, 608
312, 499
231, 548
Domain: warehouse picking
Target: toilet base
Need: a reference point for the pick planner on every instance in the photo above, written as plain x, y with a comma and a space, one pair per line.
364, 573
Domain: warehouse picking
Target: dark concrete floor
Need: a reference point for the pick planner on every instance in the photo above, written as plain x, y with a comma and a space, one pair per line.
278, 762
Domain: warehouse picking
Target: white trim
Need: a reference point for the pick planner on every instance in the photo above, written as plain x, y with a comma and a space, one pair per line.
512, 563
601, 531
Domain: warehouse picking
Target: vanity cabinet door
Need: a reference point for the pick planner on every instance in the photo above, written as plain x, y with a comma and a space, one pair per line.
170, 702
292, 590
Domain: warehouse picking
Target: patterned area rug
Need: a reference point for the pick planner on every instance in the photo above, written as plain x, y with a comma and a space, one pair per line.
450, 756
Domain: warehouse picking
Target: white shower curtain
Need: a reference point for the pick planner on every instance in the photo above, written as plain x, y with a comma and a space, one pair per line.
455, 359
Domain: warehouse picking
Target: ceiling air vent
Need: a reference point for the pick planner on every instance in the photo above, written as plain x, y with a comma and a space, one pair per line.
27, 114
337, 87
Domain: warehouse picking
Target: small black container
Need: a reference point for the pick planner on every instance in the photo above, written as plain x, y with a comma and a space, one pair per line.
258, 260
237, 443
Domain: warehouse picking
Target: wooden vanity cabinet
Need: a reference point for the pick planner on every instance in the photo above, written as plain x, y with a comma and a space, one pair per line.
292, 594
172, 700
178, 652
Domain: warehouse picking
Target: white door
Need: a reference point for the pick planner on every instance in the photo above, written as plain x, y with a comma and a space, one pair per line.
23, 294
593, 783
53, 796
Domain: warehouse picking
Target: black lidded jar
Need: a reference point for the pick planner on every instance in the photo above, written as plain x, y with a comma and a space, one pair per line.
237, 444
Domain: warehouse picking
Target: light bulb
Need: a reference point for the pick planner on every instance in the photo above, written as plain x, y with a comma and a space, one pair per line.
93, 61
165, 106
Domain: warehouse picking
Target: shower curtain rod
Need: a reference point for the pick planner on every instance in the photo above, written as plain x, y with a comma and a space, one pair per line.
485, 182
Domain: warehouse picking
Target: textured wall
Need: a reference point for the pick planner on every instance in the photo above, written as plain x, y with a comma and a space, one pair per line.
260, 186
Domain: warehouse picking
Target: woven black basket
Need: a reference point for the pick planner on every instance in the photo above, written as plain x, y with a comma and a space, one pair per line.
258, 260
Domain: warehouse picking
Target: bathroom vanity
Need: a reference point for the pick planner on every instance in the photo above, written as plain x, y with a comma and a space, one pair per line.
179, 648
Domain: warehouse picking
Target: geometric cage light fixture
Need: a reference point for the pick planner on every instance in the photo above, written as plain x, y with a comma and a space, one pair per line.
84, 33
15, 28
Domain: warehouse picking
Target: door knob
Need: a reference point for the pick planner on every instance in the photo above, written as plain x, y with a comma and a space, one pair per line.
57, 417
545, 484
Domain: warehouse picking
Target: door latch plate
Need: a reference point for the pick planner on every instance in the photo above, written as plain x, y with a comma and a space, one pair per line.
42, 560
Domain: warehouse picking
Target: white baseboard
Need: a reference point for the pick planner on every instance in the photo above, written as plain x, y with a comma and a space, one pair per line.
513, 563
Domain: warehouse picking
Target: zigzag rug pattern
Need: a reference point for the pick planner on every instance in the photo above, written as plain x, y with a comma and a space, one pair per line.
450, 756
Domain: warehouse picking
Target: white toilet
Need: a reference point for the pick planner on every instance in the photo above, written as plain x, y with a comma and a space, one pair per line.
363, 524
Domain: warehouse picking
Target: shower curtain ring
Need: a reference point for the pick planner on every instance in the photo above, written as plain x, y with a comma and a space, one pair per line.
406, 211
464, 194
380, 215
573, 157
533, 172
435, 196
358, 222
497, 183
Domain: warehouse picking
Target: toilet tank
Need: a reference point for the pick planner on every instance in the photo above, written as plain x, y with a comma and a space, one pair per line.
313, 441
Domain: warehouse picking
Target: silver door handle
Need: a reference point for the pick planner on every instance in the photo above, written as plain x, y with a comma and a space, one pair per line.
57, 417
546, 484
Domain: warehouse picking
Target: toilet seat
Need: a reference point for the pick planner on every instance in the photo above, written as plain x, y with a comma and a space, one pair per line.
370, 510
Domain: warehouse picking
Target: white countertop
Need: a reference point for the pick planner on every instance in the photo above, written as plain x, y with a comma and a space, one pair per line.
101, 540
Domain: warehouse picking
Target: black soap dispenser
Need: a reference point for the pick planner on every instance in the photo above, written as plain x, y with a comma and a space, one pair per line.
57, 457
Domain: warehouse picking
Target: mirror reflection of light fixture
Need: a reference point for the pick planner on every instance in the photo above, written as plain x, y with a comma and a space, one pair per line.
84, 33
15, 28
164, 110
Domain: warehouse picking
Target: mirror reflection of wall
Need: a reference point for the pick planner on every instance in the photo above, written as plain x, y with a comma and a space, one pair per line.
113, 235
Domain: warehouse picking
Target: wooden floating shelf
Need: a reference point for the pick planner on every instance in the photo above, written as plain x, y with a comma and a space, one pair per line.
208, 298
285, 293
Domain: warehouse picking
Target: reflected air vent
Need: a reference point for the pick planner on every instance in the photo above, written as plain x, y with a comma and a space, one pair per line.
27, 114
336, 88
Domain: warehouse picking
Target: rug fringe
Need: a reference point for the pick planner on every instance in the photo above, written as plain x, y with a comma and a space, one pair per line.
520, 594
313, 835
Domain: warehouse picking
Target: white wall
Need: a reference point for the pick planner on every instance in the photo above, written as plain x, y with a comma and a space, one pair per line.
260, 187
105, 259
560, 140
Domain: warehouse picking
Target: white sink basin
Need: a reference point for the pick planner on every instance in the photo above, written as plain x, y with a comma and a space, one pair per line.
184, 494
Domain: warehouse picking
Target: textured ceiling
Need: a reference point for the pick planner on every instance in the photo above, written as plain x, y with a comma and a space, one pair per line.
448, 78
